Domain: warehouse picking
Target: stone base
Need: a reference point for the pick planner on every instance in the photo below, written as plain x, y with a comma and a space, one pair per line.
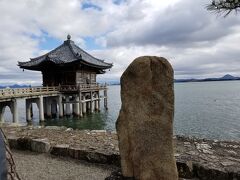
196, 158
117, 175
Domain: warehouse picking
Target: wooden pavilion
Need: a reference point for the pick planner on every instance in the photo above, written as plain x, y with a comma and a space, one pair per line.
67, 64
73, 71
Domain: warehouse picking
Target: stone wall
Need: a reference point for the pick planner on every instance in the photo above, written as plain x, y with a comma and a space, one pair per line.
196, 158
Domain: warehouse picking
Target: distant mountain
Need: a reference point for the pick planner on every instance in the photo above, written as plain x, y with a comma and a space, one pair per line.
185, 80
113, 82
229, 77
15, 86
226, 77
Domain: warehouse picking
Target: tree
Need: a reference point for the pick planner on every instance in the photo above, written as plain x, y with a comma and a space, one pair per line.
224, 6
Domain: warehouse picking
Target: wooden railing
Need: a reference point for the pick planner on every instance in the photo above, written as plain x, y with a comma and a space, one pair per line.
82, 87
22, 92
31, 91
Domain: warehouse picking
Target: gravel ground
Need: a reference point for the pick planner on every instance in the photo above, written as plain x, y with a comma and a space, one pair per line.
34, 166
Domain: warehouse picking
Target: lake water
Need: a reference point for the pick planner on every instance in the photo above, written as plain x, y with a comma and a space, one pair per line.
202, 109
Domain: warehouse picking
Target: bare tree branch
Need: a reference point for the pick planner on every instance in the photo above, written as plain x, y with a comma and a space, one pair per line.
224, 7
12, 173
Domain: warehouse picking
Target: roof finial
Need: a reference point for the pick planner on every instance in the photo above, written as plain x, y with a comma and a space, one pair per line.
68, 36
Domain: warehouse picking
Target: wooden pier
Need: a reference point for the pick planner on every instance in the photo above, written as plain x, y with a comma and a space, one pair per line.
69, 84
54, 101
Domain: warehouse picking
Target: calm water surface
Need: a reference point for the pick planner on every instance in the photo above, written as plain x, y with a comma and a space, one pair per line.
205, 110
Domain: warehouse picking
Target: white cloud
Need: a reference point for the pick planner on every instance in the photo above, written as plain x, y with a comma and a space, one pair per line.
197, 43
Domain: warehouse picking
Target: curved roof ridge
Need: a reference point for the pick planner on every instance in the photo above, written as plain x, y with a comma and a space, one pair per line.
86, 53
47, 53
71, 48
66, 53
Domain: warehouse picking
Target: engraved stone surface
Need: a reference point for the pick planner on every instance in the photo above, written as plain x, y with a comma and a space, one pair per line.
145, 122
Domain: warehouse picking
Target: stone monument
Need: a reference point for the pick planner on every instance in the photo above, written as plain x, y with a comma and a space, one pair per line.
145, 122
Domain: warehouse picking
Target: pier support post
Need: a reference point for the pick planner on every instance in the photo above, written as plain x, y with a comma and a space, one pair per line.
80, 105
49, 112
14, 110
88, 106
105, 98
91, 102
96, 103
60, 105
99, 99
84, 105
76, 106
40, 108
31, 110
45, 106
54, 108
28, 110
2, 109
68, 109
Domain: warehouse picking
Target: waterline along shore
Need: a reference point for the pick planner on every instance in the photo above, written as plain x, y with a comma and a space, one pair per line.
196, 158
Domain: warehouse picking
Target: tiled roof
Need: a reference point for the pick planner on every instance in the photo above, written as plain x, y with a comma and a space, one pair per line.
66, 53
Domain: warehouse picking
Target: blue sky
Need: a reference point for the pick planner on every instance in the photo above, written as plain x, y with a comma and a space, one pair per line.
196, 42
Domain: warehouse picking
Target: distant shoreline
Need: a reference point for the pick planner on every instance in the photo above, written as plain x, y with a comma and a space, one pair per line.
189, 81
226, 77
176, 81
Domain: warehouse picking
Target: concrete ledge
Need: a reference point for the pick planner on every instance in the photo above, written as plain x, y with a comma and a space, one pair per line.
19, 143
40, 145
35, 145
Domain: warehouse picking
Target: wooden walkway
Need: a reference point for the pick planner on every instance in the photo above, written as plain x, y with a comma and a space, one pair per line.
9, 93
64, 100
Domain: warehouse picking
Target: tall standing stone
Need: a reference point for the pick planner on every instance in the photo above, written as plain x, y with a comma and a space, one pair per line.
145, 122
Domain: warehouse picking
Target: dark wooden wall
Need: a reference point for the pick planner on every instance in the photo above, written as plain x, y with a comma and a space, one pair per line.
70, 74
